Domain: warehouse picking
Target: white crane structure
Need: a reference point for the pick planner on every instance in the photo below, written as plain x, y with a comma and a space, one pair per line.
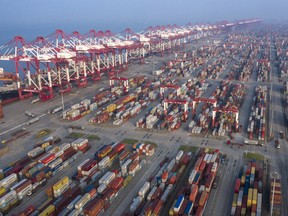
59, 59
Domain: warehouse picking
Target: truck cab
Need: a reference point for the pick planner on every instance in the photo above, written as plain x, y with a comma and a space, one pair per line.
281, 134
277, 144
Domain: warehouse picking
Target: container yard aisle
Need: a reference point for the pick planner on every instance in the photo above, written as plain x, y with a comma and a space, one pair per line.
124, 199
221, 198
246, 107
278, 125
182, 181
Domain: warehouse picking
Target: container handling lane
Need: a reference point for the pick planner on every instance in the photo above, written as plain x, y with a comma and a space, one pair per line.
278, 125
180, 183
123, 201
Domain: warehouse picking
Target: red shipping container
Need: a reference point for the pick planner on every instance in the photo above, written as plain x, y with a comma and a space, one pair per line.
134, 156
237, 185
199, 211
156, 194
123, 155
119, 147
28, 211
202, 166
254, 208
116, 183
89, 165
186, 160
158, 207
94, 207
173, 179
48, 159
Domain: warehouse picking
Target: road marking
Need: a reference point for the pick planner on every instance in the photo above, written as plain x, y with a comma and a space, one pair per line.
11, 129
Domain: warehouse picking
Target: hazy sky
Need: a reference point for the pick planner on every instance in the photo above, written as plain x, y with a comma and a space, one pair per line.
42, 17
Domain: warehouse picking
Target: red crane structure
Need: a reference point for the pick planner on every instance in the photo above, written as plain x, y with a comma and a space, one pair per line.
226, 110
206, 100
166, 103
164, 87
59, 59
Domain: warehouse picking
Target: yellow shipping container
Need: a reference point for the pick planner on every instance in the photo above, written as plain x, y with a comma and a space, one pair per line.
235, 200
60, 183
255, 196
206, 150
45, 144
252, 170
48, 211
250, 195
127, 180
111, 108
243, 179
171, 211
182, 169
2, 191
127, 99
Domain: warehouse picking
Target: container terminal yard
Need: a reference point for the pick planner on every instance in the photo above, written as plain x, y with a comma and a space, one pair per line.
175, 120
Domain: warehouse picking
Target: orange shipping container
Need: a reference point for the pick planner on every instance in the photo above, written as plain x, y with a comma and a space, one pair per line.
203, 198
194, 192
173, 180
164, 176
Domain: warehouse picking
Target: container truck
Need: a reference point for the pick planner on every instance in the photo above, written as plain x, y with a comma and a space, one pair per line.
29, 114
32, 121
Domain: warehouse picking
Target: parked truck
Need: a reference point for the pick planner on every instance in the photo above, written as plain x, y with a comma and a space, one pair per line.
29, 114
32, 121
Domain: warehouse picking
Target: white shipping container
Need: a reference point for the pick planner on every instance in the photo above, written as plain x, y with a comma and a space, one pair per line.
55, 163
107, 178
7, 199
104, 163
9, 181
179, 155
151, 193
166, 194
101, 188
82, 201
64, 146
79, 142
35, 152
136, 202
192, 176
171, 165
143, 190
82, 164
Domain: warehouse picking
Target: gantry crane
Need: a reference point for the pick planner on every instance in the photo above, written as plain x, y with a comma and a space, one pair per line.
60, 58
232, 109
164, 87
166, 103
205, 100
123, 81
